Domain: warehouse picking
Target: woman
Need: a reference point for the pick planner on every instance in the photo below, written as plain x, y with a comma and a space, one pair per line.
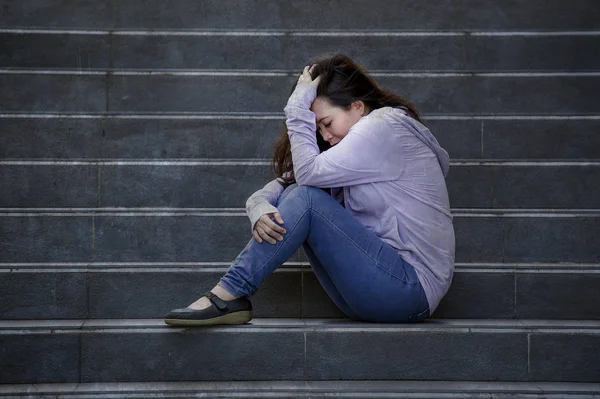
365, 196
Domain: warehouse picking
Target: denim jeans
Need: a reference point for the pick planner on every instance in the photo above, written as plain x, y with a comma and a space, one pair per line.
365, 277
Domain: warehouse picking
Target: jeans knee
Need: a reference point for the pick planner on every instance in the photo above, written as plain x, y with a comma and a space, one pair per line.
286, 192
309, 194
313, 195
312, 191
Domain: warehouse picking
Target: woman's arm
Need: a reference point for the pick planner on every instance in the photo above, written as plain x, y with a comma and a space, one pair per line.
363, 156
263, 201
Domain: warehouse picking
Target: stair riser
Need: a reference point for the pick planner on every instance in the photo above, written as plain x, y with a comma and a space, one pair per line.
285, 293
437, 53
263, 14
251, 138
506, 95
280, 354
226, 186
220, 238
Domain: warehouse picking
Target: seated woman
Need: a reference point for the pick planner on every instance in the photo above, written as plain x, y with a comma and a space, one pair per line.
361, 187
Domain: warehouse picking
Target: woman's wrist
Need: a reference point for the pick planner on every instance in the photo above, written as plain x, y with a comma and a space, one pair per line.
303, 96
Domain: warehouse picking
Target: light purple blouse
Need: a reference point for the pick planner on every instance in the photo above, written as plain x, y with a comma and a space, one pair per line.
388, 172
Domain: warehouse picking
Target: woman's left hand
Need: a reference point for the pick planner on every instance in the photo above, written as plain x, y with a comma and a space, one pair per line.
305, 92
307, 78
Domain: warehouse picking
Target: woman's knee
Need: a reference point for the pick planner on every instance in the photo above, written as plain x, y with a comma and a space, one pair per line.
313, 192
286, 192
308, 195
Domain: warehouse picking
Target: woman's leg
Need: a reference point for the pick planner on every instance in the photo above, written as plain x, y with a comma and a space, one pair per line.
369, 274
319, 270
327, 284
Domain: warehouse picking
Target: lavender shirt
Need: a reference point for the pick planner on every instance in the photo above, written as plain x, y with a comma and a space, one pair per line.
388, 172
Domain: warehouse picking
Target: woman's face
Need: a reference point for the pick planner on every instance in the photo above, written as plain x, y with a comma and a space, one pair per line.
333, 122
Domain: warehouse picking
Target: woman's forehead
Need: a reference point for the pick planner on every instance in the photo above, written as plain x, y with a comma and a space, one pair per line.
321, 107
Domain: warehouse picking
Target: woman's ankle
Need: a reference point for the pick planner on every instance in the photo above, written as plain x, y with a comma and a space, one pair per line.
222, 293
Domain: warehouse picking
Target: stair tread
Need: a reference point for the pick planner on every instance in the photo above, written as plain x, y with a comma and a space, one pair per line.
363, 386
460, 325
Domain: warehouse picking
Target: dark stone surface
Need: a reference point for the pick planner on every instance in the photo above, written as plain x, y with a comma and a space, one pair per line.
531, 53
565, 357
460, 138
441, 94
203, 138
54, 14
286, 52
138, 295
416, 355
43, 295
558, 296
50, 138
478, 239
525, 95
46, 239
181, 186
164, 93
170, 239
49, 186
315, 301
541, 139
192, 355
474, 295
556, 239
81, 52
437, 53
260, 14
247, 138
52, 93
470, 186
280, 295
39, 358
572, 187
312, 14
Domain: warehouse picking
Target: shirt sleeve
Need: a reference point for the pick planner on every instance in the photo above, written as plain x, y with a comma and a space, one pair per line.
263, 201
363, 156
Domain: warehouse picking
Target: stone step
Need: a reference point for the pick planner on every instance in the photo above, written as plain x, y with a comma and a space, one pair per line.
303, 14
149, 290
289, 50
234, 136
291, 350
217, 235
228, 183
562, 93
306, 389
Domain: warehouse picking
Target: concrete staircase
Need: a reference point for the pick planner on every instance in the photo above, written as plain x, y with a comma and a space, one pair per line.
131, 134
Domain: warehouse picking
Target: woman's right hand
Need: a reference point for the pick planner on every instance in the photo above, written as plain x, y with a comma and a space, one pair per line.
266, 229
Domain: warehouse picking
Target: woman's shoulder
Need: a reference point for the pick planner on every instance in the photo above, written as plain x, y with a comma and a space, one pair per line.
381, 121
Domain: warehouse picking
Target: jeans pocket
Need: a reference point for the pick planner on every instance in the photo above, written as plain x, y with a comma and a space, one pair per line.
419, 316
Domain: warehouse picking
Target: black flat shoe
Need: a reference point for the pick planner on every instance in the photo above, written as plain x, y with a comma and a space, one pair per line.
237, 311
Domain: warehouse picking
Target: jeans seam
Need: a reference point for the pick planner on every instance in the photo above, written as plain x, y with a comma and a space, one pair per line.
365, 252
419, 315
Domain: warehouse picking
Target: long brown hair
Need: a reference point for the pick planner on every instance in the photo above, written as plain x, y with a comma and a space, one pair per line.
343, 82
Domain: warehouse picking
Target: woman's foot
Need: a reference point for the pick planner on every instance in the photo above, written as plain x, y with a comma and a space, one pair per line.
219, 310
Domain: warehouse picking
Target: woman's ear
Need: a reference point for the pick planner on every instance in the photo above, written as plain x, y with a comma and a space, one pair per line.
360, 107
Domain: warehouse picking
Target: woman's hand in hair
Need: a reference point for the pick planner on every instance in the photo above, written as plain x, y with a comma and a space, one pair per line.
306, 77
266, 229
305, 92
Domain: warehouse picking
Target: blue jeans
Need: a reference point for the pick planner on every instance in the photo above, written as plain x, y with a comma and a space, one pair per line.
365, 277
